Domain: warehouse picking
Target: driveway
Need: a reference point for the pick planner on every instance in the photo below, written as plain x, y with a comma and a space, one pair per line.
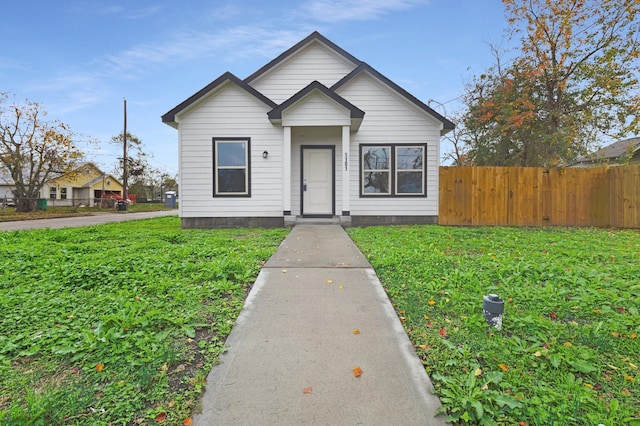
73, 222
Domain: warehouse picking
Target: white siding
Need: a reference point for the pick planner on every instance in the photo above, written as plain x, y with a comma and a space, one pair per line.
316, 110
314, 136
230, 112
314, 62
389, 118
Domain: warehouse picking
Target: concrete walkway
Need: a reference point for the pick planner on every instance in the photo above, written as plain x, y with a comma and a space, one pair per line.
292, 352
72, 222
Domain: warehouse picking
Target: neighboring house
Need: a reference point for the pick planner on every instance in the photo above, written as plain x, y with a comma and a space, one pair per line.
618, 153
314, 133
6, 184
85, 185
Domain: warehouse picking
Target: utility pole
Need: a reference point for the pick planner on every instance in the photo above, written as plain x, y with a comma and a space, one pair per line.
124, 157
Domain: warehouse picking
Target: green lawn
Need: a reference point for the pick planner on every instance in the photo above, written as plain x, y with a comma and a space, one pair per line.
118, 324
569, 349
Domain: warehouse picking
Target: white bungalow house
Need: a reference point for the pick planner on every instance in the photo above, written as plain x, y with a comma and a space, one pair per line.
313, 133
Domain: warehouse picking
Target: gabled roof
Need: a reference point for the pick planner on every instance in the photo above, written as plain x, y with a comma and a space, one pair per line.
276, 113
355, 114
314, 36
170, 117
624, 148
364, 67
79, 171
618, 149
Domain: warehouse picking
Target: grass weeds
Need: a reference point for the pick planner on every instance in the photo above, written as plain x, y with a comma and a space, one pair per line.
118, 324
568, 352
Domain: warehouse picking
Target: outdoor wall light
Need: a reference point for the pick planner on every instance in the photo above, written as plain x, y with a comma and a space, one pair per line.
265, 154
493, 307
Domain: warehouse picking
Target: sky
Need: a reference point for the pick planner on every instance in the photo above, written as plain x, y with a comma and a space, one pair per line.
81, 58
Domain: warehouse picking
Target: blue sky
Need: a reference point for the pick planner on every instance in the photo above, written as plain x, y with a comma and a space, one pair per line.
81, 58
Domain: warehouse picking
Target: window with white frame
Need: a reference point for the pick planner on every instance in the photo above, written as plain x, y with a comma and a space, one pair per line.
53, 193
231, 162
63, 193
392, 170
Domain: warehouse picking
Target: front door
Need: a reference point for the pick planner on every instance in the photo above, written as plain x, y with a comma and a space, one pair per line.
318, 181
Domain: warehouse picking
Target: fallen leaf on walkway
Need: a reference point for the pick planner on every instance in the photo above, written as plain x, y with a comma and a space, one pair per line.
340, 287
161, 417
306, 391
188, 422
329, 281
356, 331
357, 372
284, 271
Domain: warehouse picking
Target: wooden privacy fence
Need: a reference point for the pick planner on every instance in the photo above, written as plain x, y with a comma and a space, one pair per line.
530, 196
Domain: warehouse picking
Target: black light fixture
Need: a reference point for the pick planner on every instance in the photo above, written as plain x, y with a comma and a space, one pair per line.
265, 154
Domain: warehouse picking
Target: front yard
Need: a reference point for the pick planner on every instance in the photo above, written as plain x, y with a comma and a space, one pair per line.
569, 349
120, 324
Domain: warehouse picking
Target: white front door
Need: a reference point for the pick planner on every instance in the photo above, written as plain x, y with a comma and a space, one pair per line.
317, 181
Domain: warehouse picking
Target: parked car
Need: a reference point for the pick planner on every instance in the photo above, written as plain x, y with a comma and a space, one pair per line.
7, 202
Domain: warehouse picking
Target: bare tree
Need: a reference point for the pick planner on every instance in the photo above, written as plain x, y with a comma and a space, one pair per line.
32, 149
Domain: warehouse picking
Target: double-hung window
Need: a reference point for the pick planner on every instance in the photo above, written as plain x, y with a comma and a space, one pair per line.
392, 170
231, 160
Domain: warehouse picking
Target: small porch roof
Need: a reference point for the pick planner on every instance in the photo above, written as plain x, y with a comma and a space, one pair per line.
355, 114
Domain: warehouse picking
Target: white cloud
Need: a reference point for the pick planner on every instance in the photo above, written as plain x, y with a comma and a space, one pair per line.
234, 42
354, 10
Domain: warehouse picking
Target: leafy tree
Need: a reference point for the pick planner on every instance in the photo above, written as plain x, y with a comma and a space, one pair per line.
573, 81
32, 149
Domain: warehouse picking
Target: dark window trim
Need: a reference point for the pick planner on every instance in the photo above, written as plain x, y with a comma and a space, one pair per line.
215, 165
393, 171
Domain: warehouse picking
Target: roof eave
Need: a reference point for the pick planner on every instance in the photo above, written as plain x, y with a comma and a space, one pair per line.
170, 117
314, 36
447, 125
355, 113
